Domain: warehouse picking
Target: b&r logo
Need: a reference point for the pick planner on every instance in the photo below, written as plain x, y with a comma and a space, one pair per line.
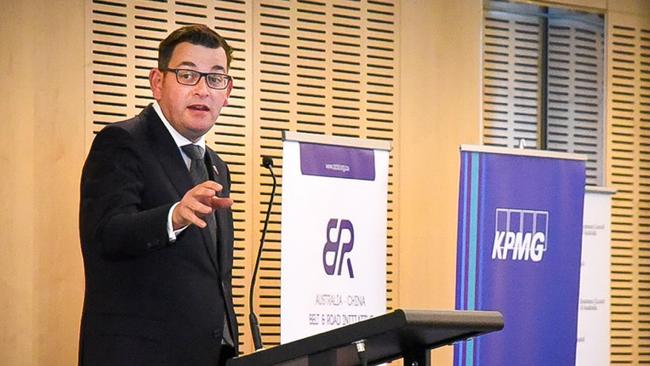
522, 233
337, 246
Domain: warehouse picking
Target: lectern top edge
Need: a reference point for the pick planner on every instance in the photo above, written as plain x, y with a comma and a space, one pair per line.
387, 337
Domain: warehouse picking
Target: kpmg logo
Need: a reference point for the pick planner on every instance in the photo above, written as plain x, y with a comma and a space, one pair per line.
340, 241
520, 235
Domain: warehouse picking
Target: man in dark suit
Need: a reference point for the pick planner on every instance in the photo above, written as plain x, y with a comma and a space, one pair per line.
155, 221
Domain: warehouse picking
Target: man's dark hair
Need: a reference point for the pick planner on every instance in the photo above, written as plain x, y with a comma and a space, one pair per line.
196, 34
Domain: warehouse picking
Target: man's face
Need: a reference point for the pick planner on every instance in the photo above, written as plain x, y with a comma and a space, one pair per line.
191, 110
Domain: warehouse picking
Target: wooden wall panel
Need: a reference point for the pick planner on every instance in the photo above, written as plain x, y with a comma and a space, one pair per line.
41, 152
440, 108
628, 160
324, 68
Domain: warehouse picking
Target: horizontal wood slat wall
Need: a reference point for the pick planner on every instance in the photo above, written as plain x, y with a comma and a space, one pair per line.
628, 140
325, 67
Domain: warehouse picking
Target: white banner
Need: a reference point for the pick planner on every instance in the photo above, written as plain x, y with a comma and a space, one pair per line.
334, 202
593, 315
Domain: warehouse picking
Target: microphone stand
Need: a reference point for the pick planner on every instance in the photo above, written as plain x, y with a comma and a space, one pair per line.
267, 162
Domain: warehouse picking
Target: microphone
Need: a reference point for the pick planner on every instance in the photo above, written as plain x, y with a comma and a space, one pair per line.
267, 162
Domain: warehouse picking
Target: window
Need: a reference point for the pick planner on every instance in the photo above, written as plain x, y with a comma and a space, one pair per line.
543, 75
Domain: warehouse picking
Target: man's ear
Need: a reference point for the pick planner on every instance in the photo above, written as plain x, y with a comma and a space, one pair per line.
155, 83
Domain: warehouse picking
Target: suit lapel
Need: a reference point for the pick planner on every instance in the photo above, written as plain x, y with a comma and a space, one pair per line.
168, 153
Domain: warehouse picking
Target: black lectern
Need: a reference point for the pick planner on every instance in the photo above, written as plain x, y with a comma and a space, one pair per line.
408, 334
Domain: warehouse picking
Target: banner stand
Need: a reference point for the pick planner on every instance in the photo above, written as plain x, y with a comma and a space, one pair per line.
593, 315
519, 245
334, 224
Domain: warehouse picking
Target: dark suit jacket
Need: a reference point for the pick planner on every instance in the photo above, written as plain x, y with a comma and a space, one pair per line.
149, 301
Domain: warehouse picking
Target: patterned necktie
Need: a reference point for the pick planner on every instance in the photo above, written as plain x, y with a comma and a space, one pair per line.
199, 174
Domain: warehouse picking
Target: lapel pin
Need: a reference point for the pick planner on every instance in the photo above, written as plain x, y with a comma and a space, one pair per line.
216, 172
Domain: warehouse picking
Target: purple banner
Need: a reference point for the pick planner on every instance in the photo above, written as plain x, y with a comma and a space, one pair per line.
337, 161
519, 244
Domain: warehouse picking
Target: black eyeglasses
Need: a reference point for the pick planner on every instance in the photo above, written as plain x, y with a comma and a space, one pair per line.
215, 80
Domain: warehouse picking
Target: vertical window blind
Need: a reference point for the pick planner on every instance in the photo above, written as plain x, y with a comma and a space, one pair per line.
543, 81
